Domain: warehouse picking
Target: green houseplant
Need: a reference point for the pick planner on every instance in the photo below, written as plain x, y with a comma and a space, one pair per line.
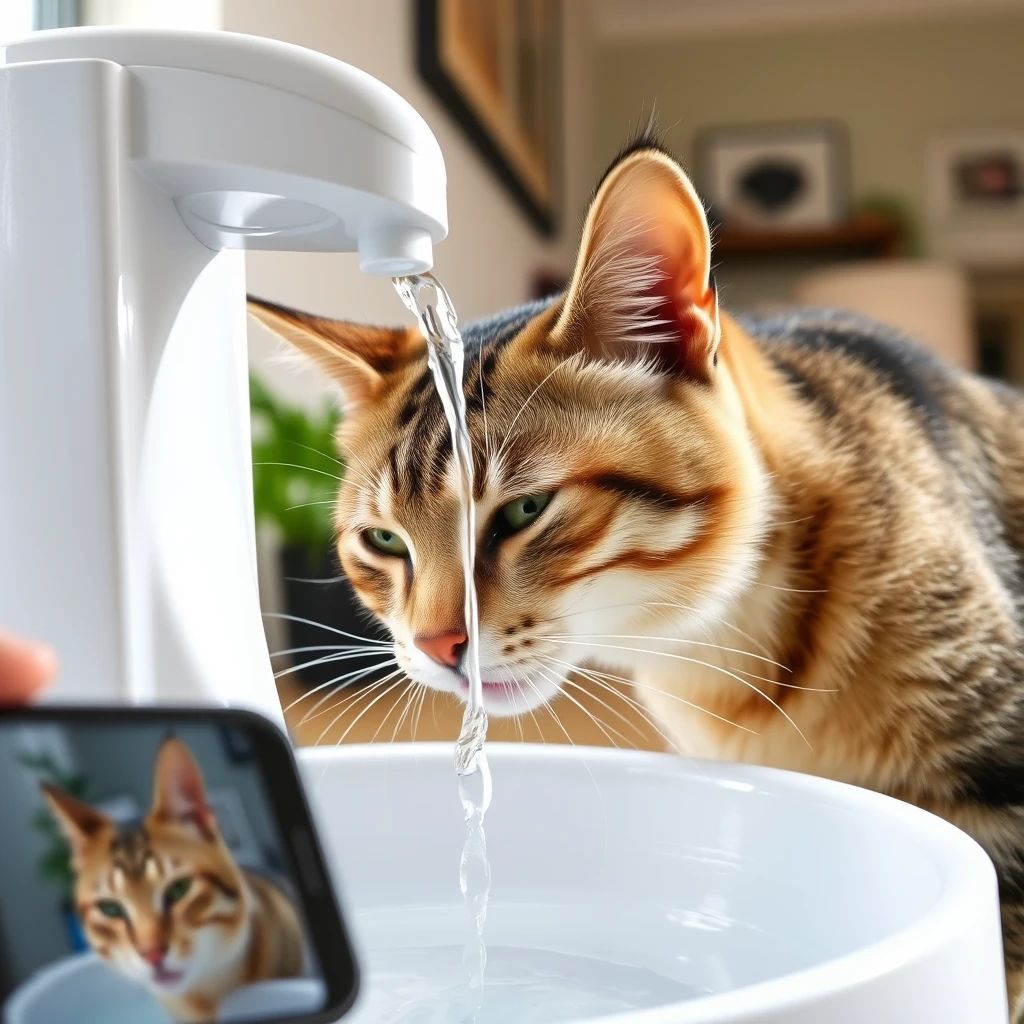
296, 473
54, 864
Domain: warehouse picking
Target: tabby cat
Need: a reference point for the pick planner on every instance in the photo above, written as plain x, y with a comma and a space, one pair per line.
800, 535
166, 904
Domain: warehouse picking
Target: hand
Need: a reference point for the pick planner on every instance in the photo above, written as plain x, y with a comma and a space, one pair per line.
25, 668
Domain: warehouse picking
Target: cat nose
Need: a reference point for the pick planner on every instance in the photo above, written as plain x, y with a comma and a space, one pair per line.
154, 956
445, 649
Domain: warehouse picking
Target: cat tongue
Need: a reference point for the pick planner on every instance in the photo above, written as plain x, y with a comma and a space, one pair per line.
162, 976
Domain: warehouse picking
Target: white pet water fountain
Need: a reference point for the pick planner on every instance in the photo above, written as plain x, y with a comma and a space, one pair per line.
134, 168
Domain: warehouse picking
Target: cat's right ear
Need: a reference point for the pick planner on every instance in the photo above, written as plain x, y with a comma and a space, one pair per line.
179, 793
356, 357
79, 822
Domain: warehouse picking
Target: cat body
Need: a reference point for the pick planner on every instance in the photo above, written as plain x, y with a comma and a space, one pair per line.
166, 904
799, 537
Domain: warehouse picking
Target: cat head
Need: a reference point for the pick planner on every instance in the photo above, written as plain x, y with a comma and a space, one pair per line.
617, 487
164, 903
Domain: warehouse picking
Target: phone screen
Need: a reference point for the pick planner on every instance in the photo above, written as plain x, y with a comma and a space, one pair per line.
160, 867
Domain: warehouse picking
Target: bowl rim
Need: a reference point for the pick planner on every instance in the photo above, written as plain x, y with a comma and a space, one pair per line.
969, 877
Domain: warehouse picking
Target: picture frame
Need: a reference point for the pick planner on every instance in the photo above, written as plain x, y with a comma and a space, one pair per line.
495, 66
975, 195
775, 177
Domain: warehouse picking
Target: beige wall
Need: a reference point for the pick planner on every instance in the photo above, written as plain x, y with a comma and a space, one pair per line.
492, 251
893, 84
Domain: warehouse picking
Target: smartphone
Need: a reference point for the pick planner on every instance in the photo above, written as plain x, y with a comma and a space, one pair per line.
161, 866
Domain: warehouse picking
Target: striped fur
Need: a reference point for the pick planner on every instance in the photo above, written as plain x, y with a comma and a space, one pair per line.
800, 536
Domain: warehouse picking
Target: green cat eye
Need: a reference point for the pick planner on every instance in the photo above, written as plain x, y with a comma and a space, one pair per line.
176, 891
521, 512
111, 908
386, 541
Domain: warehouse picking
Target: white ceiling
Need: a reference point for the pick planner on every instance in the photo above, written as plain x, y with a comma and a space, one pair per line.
646, 19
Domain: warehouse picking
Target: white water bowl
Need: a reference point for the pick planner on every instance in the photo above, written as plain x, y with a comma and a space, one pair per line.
83, 989
695, 891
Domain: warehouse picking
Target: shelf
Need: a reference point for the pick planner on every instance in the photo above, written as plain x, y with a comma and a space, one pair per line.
868, 234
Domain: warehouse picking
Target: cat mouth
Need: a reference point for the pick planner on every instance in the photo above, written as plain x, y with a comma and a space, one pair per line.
162, 976
504, 697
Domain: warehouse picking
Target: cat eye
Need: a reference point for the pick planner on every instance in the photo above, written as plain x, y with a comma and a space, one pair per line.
387, 542
520, 513
176, 891
111, 908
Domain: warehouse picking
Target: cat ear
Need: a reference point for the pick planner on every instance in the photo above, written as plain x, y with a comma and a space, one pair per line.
356, 357
79, 822
642, 286
179, 794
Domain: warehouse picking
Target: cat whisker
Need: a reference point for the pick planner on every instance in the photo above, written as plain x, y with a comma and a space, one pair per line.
635, 705
483, 409
424, 690
346, 701
355, 721
707, 665
306, 579
601, 725
317, 647
618, 714
305, 469
788, 590
327, 660
568, 639
590, 672
593, 674
403, 696
330, 629
344, 682
530, 711
309, 504
316, 451
337, 682
673, 640
788, 522
549, 707
348, 704
417, 693
663, 604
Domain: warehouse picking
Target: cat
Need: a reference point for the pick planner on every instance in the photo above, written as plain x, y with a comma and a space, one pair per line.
800, 536
166, 904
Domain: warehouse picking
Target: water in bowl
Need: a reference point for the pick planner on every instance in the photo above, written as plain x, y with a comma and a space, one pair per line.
524, 986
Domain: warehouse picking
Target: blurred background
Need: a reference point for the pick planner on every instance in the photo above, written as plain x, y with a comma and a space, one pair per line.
862, 154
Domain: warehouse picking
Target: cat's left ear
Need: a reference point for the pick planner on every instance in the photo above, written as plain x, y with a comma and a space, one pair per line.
78, 822
359, 359
642, 286
179, 794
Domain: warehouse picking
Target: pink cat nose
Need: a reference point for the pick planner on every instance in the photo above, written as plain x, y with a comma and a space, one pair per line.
445, 649
154, 956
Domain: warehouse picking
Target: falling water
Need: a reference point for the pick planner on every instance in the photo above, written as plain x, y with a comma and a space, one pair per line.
427, 300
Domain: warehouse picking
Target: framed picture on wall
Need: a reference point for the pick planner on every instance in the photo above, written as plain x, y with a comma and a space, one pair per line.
976, 197
775, 177
495, 65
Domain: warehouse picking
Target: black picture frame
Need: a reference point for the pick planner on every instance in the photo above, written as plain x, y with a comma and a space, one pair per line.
541, 210
767, 134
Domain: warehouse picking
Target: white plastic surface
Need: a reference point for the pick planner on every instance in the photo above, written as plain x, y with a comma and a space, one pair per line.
127, 160
266, 145
83, 989
790, 899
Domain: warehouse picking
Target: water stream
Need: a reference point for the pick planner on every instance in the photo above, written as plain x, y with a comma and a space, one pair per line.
427, 300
